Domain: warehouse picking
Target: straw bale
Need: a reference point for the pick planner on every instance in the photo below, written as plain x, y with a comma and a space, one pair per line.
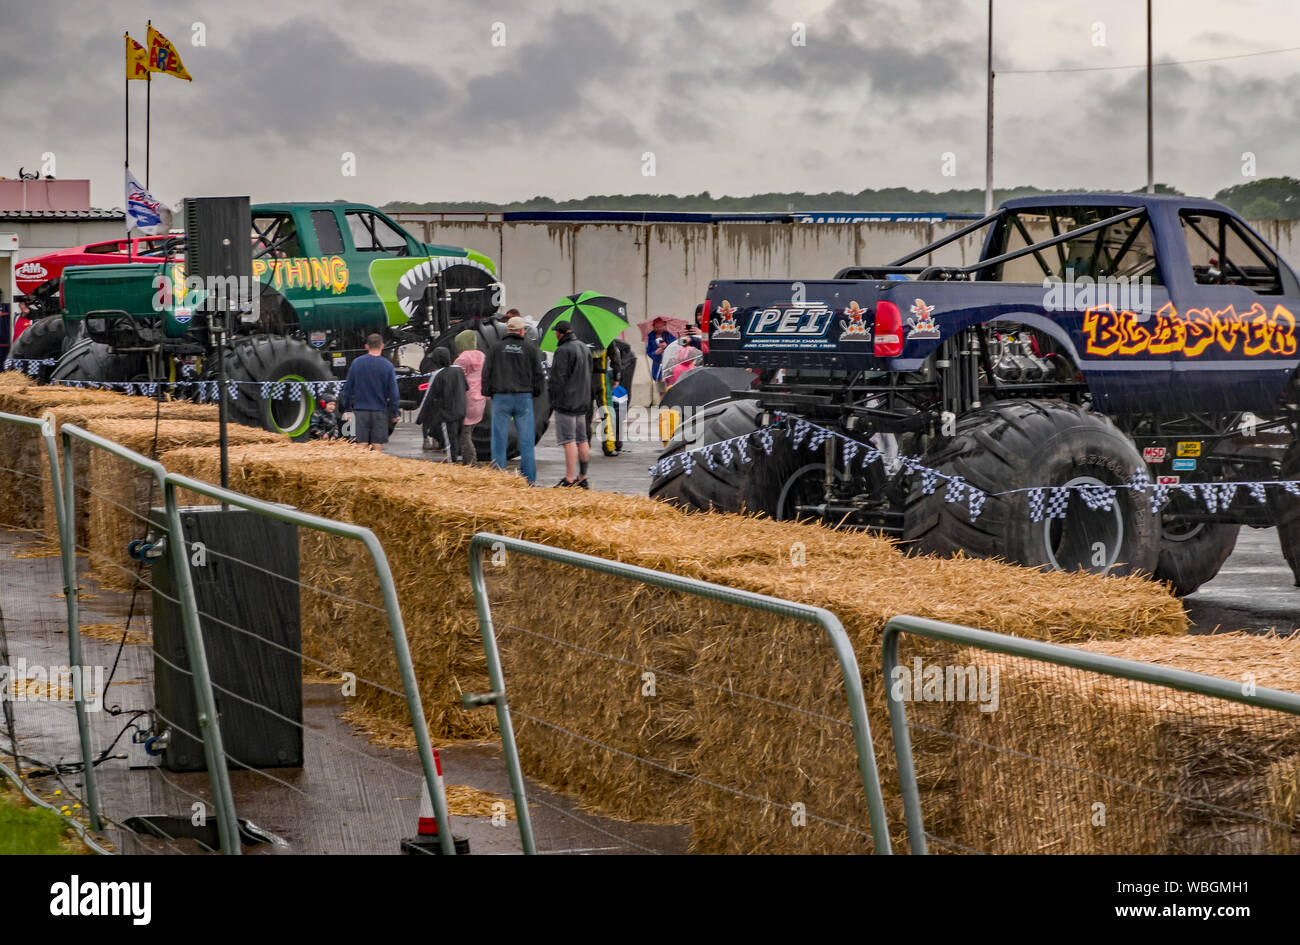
82, 414
25, 485
120, 493
1176, 772
424, 514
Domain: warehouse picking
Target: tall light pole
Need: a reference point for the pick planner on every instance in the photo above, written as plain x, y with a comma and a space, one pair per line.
1151, 159
988, 139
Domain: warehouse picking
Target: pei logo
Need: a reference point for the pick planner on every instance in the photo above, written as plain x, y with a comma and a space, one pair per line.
801, 320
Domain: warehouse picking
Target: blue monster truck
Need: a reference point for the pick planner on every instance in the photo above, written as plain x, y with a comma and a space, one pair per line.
1098, 337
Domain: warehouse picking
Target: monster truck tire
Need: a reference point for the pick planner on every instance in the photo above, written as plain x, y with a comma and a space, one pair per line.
1193, 555
482, 434
90, 361
737, 486
44, 338
1017, 445
261, 358
1286, 511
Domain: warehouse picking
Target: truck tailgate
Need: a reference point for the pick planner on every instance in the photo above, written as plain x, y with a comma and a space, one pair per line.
812, 324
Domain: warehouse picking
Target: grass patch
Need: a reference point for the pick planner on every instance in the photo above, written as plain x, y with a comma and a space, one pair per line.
26, 828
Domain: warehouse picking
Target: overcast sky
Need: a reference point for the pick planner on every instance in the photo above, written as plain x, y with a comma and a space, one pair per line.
580, 90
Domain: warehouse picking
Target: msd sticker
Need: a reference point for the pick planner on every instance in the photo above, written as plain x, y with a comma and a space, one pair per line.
1154, 454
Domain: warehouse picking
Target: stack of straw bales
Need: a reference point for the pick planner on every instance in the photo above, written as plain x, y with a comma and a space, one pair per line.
23, 462
425, 515
119, 494
1175, 772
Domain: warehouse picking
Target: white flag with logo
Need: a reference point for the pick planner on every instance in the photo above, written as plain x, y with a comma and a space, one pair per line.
143, 211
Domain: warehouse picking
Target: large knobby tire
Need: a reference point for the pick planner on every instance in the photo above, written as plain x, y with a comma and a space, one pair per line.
260, 358
737, 486
1191, 553
1286, 511
91, 361
482, 434
1018, 445
44, 338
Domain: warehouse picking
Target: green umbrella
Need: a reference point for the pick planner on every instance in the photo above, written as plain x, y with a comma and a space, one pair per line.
597, 319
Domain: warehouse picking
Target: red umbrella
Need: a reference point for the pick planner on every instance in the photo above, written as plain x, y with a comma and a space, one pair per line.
672, 323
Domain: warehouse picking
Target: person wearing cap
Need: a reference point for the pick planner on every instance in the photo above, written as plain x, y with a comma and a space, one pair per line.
570, 390
658, 340
513, 374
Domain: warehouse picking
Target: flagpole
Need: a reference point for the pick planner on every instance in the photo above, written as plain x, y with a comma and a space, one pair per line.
126, 133
148, 116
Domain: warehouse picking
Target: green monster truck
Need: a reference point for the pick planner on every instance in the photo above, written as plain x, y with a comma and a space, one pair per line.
324, 276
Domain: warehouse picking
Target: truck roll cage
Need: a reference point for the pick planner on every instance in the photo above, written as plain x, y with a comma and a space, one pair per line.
971, 272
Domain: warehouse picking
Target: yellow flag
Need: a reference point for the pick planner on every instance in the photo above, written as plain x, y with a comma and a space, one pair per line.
164, 58
137, 59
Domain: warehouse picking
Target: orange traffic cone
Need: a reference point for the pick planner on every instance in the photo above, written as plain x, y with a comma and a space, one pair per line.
426, 839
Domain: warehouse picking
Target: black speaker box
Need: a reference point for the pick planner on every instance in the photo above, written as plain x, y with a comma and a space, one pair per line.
218, 239
245, 572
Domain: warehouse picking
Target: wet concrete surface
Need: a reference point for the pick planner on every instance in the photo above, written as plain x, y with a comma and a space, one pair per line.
353, 797
349, 797
1255, 590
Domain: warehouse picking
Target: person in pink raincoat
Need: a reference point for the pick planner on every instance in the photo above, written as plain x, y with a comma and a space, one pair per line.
686, 357
470, 360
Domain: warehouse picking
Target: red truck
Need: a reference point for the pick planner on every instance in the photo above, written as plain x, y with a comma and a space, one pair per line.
38, 279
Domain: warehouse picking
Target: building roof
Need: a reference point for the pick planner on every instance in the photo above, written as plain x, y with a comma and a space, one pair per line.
94, 213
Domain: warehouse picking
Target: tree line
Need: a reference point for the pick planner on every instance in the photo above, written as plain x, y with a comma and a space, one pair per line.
1270, 198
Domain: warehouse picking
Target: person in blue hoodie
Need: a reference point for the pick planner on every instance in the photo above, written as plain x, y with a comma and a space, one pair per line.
370, 394
658, 339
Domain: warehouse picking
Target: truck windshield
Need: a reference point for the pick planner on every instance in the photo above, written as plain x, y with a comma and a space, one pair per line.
371, 233
1121, 250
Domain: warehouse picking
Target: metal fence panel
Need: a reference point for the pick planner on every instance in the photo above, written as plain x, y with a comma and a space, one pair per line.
817, 617
1036, 746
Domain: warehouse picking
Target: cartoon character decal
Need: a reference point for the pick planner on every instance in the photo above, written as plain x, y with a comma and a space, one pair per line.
922, 322
726, 326
854, 327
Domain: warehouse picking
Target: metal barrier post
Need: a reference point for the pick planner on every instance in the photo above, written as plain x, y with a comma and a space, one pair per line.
818, 616
396, 626
496, 679
209, 727
67, 555
1151, 673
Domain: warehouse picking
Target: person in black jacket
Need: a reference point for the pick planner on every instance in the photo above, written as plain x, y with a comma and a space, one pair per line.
513, 374
570, 389
444, 405
325, 419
